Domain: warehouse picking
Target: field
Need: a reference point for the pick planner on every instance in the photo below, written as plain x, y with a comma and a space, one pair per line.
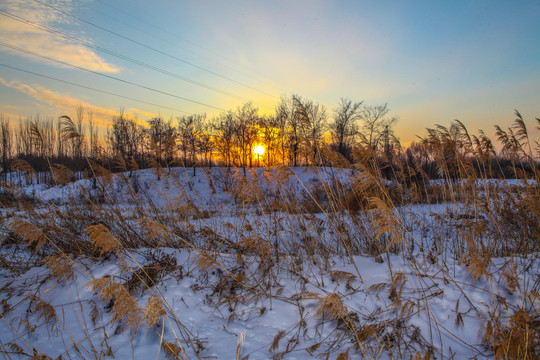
281, 263
269, 180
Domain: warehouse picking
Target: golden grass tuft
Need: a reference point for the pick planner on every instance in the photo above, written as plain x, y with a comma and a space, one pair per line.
206, 262
102, 238
154, 231
29, 232
331, 305
338, 275
133, 164
247, 189
172, 350
125, 308
60, 266
427, 355
46, 311
153, 311
62, 174
98, 170
275, 342
477, 261
517, 338
386, 222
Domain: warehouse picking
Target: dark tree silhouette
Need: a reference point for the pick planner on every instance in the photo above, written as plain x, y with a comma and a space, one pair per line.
127, 139
344, 128
225, 126
245, 134
6, 141
376, 127
313, 123
189, 129
162, 138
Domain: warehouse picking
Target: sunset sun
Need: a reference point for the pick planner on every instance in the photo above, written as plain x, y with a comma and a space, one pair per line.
258, 150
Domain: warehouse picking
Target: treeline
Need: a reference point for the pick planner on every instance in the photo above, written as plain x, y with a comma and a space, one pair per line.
299, 132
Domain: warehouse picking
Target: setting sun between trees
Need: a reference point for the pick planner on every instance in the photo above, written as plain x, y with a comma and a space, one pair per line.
259, 151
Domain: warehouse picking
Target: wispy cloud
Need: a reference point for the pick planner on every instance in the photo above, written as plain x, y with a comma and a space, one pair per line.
66, 104
32, 38
103, 117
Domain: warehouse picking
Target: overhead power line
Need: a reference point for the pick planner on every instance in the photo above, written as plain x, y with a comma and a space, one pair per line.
120, 56
154, 49
91, 88
195, 44
108, 76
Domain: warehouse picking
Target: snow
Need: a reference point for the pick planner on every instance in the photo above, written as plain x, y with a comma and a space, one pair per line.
190, 299
207, 315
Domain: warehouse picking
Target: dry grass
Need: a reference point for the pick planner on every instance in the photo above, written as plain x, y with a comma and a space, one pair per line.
280, 229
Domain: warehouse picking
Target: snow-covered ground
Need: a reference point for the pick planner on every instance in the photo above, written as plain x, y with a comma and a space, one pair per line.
442, 306
208, 185
272, 292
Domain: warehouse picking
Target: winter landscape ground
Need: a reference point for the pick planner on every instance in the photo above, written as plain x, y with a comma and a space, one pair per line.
281, 263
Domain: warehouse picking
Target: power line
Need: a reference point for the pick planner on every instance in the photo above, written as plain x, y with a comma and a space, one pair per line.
108, 76
124, 57
91, 88
154, 49
213, 53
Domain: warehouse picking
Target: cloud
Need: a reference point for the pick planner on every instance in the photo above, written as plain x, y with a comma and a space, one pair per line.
66, 104
34, 39
102, 117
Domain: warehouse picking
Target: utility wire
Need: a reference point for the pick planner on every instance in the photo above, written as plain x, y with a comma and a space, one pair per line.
154, 49
91, 88
124, 57
209, 51
108, 76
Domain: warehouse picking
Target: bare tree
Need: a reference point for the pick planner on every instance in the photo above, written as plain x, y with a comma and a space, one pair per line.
345, 126
225, 125
6, 139
246, 133
291, 122
271, 136
206, 142
284, 111
94, 140
162, 138
127, 139
312, 126
189, 129
375, 125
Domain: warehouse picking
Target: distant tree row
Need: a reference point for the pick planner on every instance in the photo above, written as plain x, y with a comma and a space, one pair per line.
293, 135
299, 132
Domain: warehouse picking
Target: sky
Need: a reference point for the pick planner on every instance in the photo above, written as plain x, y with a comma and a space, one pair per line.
431, 61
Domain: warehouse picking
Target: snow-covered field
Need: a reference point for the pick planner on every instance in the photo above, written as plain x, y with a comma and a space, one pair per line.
216, 266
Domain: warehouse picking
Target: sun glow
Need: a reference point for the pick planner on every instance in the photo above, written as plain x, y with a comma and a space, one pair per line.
258, 150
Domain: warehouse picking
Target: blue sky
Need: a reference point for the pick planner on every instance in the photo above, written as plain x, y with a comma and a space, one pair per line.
432, 62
